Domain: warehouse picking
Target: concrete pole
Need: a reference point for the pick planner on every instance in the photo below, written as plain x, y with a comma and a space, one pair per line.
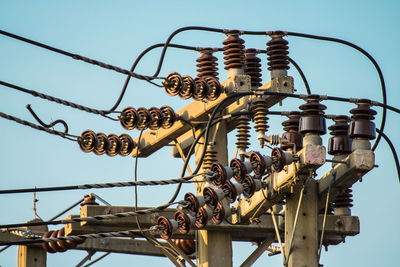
29, 256
214, 248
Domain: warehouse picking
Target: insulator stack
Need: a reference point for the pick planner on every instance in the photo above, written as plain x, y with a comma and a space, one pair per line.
340, 142
210, 157
233, 51
260, 111
278, 51
173, 84
344, 200
291, 126
58, 246
207, 64
243, 136
361, 125
186, 245
89, 199
153, 118
214, 88
111, 145
188, 87
312, 118
252, 67
280, 159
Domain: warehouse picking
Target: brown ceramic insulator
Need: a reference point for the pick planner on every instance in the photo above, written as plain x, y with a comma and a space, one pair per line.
291, 126
128, 118
230, 191
212, 197
344, 200
127, 144
173, 84
249, 186
340, 142
361, 125
202, 218
67, 244
89, 199
187, 88
102, 144
194, 205
243, 136
158, 118
45, 245
233, 51
145, 119
186, 245
259, 160
219, 213
166, 224
114, 146
207, 64
209, 157
54, 245
252, 67
214, 88
87, 141
183, 222
312, 119
240, 172
222, 176
278, 159
200, 89
260, 109
277, 51
169, 116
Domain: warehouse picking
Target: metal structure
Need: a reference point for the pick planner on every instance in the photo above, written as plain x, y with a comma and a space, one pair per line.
267, 199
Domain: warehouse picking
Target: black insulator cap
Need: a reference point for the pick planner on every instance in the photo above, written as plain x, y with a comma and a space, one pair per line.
340, 142
312, 119
291, 126
361, 125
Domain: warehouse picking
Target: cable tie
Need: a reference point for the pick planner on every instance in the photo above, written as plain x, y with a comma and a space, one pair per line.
323, 97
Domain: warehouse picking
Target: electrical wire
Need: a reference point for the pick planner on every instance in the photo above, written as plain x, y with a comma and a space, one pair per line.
365, 53
85, 59
396, 158
303, 77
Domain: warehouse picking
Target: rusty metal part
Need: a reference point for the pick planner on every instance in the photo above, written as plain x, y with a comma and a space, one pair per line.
87, 141
187, 88
221, 172
278, 159
233, 51
340, 142
213, 196
173, 84
241, 170
344, 200
361, 125
260, 110
230, 191
128, 118
54, 245
166, 226
202, 217
277, 51
221, 212
102, 144
259, 160
45, 245
184, 222
249, 185
68, 244
200, 89
157, 118
291, 126
243, 136
169, 116
145, 119
209, 157
114, 145
186, 245
214, 88
196, 202
127, 144
252, 67
312, 119
89, 199
207, 64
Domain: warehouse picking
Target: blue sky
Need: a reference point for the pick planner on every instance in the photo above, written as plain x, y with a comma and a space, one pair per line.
116, 32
